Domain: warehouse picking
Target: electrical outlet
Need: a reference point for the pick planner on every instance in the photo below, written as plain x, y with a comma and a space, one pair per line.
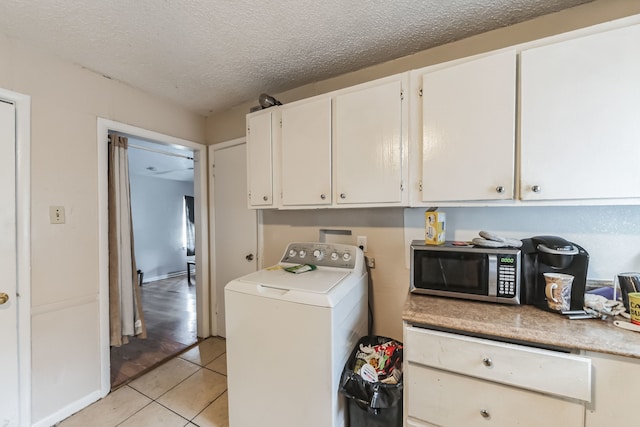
371, 262
56, 214
362, 243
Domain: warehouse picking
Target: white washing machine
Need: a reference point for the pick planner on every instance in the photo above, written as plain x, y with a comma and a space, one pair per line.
289, 336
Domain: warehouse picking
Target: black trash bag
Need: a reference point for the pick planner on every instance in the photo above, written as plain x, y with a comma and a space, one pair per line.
370, 396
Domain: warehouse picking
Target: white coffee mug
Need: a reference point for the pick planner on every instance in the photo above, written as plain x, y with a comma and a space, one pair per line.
558, 291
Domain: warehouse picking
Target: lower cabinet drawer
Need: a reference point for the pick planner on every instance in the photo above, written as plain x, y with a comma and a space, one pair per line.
530, 368
414, 423
447, 399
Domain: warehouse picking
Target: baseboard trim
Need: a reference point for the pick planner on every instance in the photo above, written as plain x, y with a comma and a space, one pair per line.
165, 276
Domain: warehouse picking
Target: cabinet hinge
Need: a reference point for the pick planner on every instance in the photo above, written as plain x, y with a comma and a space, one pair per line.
401, 94
420, 186
420, 92
280, 123
401, 187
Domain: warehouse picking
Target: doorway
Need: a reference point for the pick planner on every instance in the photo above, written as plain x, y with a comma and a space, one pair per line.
162, 204
201, 285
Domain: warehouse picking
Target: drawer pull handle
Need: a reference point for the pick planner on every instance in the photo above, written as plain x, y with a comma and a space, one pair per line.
487, 362
485, 413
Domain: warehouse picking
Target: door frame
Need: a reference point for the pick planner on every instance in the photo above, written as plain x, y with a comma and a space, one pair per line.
212, 227
22, 104
203, 307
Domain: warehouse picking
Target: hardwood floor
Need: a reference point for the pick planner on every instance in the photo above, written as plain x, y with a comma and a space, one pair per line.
169, 307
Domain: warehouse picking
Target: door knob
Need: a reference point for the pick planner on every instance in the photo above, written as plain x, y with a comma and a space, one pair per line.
3, 298
249, 257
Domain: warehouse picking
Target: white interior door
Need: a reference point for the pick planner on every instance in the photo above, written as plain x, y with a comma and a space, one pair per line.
235, 228
9, 391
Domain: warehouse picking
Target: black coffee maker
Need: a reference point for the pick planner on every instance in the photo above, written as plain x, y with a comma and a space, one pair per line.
553, 254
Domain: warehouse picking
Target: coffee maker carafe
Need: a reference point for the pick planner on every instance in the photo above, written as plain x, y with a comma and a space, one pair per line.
553, 254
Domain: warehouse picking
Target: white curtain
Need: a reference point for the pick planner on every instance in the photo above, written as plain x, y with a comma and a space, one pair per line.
125, 309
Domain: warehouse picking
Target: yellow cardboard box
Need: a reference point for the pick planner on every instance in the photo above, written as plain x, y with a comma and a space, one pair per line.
434, 228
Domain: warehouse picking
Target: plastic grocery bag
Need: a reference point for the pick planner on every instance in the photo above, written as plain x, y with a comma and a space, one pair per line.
378, 385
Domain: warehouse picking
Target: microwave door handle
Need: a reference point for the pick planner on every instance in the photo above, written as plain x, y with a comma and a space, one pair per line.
444, 276
493, 275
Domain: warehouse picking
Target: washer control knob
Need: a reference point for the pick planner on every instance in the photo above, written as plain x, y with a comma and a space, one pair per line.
334, 256
292, 252
302, 253
346, 256
318, 254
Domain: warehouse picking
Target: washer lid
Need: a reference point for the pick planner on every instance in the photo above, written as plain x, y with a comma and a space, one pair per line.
318, 281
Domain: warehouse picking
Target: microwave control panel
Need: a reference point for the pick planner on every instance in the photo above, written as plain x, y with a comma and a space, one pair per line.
507, 273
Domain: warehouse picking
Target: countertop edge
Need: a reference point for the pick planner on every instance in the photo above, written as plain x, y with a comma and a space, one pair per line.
520, 324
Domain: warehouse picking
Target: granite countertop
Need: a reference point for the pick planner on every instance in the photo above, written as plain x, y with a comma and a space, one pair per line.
522, 324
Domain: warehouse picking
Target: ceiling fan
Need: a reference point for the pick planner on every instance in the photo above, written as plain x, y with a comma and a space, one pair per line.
154, 170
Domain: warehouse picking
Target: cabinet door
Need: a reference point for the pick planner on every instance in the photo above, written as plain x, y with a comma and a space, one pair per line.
368, 145
468, 130
616, 393
580, 118
306, 153
260, 159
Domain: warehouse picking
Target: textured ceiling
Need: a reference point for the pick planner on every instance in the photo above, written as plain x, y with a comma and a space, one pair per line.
210, 55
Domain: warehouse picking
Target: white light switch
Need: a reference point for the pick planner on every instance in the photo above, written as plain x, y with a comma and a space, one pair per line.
56, 214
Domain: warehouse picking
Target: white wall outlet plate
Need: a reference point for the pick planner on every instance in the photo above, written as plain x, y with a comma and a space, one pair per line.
56, 215
361, 242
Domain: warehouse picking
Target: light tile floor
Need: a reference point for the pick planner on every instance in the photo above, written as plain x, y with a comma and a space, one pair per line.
189, 390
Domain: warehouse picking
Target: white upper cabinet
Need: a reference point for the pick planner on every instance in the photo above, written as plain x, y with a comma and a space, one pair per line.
562, 126
260, 183
306, 153
580, 118
370, 144
467, 134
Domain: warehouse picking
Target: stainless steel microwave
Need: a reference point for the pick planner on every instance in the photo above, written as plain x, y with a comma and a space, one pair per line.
467, 272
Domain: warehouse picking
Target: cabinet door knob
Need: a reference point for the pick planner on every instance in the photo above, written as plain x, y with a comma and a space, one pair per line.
3, 298
536, 189
343, 196
323, 196
265, 198
484, 413
487, 362
500, 189
249, 257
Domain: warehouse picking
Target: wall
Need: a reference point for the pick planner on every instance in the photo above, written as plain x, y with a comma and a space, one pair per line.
614, 229
66, 101
157, 207
610, 234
